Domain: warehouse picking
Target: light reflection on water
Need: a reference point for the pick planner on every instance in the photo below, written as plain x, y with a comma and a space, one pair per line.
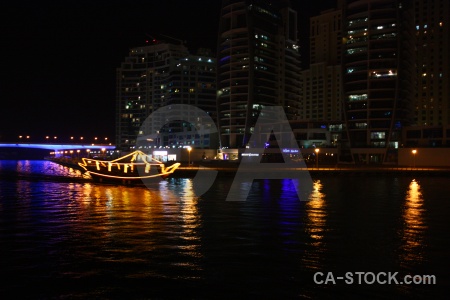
316, 215
144, 217
37, 167
415, 228
266, 246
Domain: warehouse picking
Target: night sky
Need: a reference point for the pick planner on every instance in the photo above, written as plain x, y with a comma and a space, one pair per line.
59, 58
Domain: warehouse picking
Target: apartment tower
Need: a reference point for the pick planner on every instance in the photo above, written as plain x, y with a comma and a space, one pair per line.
156, 75
432, 94
378, 76
258, 64
321, 83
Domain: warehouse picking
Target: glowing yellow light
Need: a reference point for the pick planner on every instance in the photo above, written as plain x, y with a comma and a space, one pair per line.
126, 165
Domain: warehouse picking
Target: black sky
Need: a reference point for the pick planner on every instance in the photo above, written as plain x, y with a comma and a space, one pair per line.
59, 58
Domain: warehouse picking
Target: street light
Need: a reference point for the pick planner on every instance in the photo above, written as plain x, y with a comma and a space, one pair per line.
189, 155
317, 157
414, 152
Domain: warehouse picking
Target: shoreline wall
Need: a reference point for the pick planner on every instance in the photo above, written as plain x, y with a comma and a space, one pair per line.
424, 157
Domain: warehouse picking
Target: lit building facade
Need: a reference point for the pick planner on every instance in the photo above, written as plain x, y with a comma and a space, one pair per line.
321, 84
258, 65
157, 75
432, 97
325, 37
378, 77
321, 93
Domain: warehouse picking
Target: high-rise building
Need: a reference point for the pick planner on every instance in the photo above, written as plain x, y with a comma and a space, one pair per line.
432, 94
378, 75
321, 83
258, 65
325, 37
321, 93
158, 75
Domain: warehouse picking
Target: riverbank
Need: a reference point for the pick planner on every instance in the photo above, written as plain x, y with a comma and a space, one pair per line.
325, 171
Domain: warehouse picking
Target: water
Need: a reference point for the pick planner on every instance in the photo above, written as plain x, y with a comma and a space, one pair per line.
80, 240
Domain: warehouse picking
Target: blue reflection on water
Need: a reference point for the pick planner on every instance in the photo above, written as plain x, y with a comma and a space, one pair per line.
36, 167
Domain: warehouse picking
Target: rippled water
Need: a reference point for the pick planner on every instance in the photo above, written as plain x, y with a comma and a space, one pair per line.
86, 240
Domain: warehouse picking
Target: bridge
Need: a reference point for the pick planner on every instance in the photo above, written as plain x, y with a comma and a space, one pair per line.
58, 147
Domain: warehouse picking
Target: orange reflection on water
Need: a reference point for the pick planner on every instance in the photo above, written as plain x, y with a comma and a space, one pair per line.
316, 213
145, 219
315, 225
190, 221
414, 225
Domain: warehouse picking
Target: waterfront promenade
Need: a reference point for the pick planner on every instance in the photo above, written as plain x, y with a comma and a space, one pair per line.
347, 170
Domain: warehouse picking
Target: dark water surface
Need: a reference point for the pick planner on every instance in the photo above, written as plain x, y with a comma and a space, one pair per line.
82, 240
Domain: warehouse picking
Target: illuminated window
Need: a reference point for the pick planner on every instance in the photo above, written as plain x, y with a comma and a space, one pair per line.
378, 135
357, 97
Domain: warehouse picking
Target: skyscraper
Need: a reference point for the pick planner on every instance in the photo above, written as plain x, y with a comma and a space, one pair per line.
321, 83
258, 65
158, 75
432, 94
378, 76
